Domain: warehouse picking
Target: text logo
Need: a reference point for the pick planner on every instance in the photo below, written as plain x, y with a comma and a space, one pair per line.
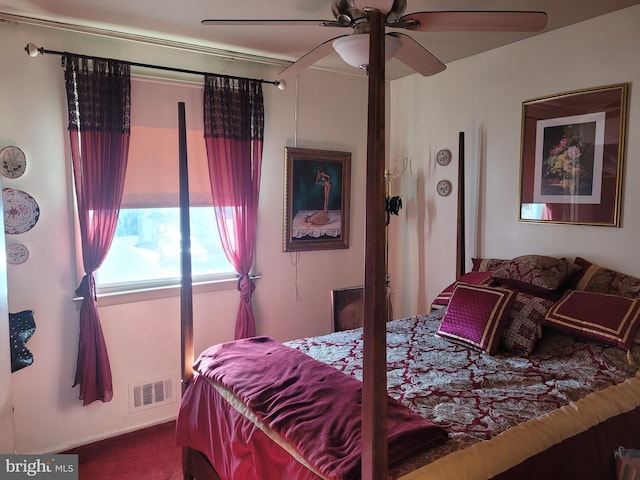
50, 467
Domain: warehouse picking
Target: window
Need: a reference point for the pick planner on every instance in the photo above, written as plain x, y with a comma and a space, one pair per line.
146, 248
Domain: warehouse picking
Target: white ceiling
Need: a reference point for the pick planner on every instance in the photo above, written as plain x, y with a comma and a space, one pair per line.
179, 21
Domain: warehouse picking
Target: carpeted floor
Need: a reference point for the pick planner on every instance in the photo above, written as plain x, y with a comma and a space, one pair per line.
148, 454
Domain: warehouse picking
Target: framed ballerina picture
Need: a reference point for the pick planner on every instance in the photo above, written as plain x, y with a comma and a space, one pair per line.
316, 199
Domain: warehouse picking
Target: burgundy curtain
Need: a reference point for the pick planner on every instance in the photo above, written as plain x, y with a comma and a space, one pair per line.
99, 114
234, 133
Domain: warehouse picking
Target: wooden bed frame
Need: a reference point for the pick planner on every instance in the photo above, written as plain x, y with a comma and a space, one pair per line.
374, 410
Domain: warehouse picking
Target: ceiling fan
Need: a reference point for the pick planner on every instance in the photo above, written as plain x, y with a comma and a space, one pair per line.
354, 47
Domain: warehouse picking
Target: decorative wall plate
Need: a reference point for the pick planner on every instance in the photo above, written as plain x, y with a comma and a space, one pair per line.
444, 188
21, 211
17, 253
13, 162
443, 157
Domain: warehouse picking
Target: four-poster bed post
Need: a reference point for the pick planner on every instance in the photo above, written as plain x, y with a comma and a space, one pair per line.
186, 289
186, 294
374, 401
460, 236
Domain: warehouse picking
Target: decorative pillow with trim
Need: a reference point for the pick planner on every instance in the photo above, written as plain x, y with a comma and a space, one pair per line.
607, 318
486, 264
594, 278
536, 273
473, 278
522, 330
476, 316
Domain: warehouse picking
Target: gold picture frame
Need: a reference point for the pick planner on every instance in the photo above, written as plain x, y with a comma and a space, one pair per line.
572, 157
316, 199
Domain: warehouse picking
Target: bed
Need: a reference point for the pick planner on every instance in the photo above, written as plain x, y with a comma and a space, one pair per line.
539, 387
530, 409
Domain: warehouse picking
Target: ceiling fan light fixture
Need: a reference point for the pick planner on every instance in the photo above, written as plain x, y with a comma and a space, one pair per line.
354, 49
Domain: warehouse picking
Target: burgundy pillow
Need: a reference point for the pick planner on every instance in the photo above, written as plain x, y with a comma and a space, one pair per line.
610, 319
473, 278
521, 332
486, 264
594, 278
476, 316
536, 273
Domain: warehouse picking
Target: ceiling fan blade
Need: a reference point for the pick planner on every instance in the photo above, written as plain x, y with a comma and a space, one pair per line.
474, 21
310, 58
416, 56
277, 22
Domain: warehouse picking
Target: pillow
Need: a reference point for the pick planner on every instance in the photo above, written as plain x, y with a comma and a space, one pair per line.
522, 329
476, 316
486, 264
594, 278
536, 273
608, 318
473, 278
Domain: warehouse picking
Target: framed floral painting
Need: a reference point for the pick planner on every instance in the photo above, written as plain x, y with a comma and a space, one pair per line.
573, 157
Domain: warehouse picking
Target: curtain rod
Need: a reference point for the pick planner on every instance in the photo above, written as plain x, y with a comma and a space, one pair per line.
33, 51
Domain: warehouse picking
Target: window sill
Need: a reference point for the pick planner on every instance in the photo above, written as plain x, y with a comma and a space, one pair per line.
155, 293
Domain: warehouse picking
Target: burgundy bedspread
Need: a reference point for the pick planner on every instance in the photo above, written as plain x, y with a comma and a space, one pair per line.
475, 396
313, 406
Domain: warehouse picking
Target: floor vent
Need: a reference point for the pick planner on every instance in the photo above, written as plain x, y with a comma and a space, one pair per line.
151, 393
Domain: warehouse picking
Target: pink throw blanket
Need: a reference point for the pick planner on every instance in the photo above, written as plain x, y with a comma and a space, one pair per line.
313, 406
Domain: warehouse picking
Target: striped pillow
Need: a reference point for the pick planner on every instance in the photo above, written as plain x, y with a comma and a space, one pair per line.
474, 278
594, 278
608, 318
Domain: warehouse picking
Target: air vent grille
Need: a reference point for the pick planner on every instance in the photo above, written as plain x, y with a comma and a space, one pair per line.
151, 393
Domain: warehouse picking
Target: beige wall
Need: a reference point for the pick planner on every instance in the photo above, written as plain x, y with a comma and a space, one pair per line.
292, 298
482, 97
6, 403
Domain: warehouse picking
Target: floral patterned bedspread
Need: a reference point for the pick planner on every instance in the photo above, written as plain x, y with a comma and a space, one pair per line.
475, 396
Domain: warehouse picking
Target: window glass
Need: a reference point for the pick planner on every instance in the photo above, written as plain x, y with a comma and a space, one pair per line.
146, 247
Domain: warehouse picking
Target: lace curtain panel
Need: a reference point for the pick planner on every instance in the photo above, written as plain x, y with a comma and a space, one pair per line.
98, 96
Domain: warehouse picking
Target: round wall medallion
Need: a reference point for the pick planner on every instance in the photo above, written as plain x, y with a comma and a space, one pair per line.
13, 163
21, 211
444, 188
443, 157
17, 253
